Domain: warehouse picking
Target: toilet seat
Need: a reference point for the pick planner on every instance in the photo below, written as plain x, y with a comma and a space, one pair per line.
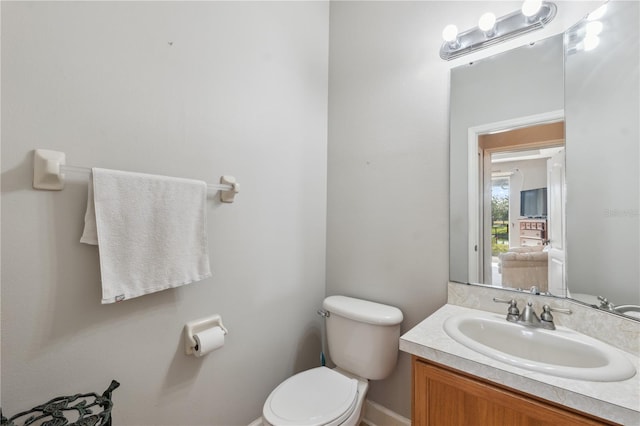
316, 397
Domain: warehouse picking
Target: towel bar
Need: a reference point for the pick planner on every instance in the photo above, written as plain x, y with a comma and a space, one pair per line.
49, 170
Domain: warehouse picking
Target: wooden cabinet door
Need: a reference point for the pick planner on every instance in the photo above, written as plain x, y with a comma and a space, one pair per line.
442, 397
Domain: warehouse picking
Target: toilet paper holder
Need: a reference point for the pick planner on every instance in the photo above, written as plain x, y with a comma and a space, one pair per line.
196, 326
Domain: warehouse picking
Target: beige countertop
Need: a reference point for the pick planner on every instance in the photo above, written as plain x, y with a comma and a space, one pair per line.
614, 401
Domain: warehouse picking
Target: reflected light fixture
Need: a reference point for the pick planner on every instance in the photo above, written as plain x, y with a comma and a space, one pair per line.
591, 39
594, 28
598, 13
590, 42
585, 36
533, 15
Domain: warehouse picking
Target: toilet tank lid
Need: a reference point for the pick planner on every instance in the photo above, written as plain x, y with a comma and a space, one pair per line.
363, 310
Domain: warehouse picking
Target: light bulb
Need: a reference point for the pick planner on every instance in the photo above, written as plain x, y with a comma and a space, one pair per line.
450, 33
487, 22
598, 13
531, 7
590, 42
594, 28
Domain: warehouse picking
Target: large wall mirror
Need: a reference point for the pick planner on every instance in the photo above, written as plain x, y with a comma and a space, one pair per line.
544, 152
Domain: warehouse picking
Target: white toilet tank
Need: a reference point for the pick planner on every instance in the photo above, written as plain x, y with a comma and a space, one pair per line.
363, 337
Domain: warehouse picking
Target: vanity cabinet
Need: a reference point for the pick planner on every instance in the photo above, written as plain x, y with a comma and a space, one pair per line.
444, 396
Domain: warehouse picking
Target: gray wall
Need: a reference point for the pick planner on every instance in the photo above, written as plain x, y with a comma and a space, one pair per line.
388, 212
242, 91
387, 181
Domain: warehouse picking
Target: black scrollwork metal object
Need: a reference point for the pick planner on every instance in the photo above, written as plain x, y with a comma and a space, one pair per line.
74, 410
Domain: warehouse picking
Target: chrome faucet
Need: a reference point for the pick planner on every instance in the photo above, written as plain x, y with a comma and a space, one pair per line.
528, 317
606, 305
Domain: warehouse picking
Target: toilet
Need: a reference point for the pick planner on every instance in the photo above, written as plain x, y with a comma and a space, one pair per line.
362, 339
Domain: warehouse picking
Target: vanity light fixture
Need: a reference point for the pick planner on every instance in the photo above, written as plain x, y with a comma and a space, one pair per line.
530, 8
534, 15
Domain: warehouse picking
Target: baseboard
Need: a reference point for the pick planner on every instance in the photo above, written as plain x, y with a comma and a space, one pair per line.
377, 415
256, 422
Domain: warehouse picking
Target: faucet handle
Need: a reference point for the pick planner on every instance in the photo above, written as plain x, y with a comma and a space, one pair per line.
560, 310
546, 313
511, 302
513, 313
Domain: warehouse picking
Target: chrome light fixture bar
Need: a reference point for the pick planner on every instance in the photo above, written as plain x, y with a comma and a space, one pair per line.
504, 28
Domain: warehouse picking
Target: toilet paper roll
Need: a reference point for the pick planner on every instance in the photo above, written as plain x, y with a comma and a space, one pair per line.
208, 341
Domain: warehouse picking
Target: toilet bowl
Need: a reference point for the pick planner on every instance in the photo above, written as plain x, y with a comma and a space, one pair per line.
363, 339
317, 397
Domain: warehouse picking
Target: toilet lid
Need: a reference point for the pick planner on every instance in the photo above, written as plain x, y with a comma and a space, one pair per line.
314, 397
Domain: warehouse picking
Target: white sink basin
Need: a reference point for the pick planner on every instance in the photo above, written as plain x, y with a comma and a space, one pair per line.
561, 352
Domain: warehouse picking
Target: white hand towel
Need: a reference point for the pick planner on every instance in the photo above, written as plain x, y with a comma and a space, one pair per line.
150, 231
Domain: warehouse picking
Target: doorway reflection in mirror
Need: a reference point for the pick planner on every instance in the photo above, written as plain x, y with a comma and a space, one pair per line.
515, 175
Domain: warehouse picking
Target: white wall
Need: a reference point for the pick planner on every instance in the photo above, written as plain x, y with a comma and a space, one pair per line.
388, 198
197, 90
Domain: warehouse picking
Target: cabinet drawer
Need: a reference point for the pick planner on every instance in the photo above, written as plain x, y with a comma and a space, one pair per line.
532, 233
532, 225
528, 242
